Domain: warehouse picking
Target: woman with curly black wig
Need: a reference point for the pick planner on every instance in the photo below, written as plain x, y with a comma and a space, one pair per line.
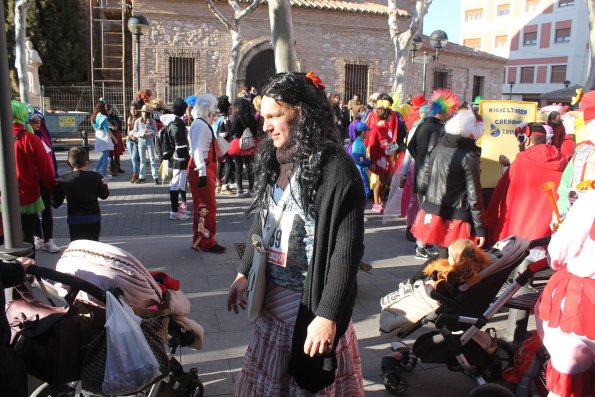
243, 118
303, 341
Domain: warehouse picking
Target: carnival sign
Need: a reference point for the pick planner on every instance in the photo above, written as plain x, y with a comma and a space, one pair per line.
501, 117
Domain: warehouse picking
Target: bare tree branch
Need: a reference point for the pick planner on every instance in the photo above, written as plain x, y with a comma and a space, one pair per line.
248, 9
219, 15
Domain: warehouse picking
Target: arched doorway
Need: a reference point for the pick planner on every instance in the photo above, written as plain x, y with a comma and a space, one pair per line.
260, 68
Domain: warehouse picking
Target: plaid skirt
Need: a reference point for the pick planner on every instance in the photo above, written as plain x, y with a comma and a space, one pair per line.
267, 358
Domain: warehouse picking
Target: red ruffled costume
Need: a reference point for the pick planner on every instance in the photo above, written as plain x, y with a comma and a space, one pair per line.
568, 302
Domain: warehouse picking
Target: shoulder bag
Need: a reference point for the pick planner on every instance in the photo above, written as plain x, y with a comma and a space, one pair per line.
257, 281
247, 140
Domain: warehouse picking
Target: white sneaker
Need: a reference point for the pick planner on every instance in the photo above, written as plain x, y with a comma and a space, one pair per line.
51, 246
183, 207
233, 186
242, 193
108, 176
178, 216
38, 243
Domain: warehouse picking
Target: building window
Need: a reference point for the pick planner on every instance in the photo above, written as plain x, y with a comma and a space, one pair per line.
501, 41
503, 10
441, 79
474, 15
356, 81
527, 75
562, 35
478, 82
565, 3
558, 74
181, 78
531, 5
472, 43
530, 38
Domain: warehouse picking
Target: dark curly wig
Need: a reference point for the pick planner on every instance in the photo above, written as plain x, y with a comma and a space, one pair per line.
313, 131
243, 110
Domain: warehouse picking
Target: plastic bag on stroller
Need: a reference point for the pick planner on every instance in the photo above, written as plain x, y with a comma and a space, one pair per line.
130, 363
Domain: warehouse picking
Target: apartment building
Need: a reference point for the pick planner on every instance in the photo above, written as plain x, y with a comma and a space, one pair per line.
545, 41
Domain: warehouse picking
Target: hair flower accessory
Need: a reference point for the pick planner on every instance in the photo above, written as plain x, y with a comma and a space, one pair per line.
314, 79
383, 103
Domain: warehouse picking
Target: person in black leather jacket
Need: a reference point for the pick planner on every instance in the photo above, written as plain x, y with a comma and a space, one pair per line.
449, 181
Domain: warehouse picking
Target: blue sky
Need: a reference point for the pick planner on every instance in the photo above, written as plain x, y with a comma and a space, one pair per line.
444, 15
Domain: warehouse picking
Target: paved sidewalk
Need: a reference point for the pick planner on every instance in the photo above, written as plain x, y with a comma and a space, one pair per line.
135, 218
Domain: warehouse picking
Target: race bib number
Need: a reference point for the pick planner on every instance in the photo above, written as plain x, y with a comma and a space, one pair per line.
278, 245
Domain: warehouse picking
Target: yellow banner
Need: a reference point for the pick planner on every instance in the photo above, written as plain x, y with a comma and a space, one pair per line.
501, 118
67, 122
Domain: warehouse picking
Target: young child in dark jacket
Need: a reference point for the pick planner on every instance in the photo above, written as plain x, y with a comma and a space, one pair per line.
81, 188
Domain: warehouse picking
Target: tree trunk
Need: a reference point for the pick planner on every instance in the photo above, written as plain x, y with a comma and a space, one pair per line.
20, 36
232, 67
401, 43
590, 84
402, 38
282, 36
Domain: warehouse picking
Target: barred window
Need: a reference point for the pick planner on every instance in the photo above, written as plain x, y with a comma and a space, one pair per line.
441, 79
356, 81
181, 77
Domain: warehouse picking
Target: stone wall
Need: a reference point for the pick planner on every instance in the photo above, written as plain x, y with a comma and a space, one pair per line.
325, 42
461, 70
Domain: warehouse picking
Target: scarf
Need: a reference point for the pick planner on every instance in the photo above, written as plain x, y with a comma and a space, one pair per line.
285, 159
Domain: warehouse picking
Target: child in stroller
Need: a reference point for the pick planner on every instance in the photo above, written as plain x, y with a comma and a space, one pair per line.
87, 270
458, 341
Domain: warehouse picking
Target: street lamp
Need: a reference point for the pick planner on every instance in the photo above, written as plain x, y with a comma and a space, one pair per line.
138, 25
438, 40
510, 84
567, 83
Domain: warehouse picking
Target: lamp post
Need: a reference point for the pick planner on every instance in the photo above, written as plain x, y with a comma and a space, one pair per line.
567, 83
510, 84
438, 40
138, 25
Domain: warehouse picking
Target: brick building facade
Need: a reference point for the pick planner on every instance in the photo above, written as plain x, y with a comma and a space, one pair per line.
346, 43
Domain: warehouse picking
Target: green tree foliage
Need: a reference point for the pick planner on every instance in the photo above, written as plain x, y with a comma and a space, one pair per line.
54, 28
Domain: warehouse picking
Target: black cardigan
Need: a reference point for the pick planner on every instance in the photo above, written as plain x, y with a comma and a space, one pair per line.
330, 286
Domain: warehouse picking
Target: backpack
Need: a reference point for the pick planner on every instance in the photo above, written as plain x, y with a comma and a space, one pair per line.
164, 145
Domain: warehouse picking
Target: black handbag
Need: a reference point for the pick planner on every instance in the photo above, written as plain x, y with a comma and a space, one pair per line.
48, 339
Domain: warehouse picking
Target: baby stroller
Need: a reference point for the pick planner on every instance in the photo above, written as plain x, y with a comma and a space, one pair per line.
64, 346
458, 341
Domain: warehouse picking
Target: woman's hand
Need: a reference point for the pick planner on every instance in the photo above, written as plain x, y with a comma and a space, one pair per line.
480, 241
237, 294
320, 338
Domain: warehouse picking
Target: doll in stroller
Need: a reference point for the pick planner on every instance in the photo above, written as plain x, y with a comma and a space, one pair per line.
65, 346
458, 341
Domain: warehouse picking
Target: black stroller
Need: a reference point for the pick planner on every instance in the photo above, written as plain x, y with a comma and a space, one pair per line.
54, 342
458, 341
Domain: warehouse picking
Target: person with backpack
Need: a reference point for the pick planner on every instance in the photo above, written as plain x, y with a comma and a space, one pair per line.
202, 171
171, 143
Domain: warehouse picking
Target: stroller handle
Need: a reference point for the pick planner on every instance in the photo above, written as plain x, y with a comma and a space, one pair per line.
74, 282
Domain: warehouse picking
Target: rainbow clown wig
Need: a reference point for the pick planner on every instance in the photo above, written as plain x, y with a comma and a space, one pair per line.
443, 102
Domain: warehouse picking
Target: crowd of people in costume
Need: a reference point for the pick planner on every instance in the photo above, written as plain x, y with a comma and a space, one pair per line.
420, 161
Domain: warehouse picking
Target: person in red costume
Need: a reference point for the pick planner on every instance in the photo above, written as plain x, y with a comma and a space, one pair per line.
33, 166
202, 171
565, 317
518, 206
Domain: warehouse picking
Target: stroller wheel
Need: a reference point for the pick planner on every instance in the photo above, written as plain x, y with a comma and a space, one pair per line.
491, 390
46, 390
394, 383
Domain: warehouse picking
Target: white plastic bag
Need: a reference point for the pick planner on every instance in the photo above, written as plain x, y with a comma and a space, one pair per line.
130, 363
